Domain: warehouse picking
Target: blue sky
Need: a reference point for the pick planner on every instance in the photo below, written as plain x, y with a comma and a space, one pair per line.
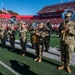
27, 7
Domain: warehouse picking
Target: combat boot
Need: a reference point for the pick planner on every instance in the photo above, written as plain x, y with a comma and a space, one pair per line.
68, 69
46, 50
39, 60
61, 67
23, 54
35, 59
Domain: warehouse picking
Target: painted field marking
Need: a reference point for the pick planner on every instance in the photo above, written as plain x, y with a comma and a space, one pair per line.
9, 68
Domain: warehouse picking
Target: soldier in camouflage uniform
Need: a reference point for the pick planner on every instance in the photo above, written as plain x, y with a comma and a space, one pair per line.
48, 29
32, 34
40, 34
23, 38
2, 36
11, 33
67, 32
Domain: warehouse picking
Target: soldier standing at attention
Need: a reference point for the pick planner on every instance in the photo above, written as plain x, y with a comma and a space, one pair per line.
12, 37
48, 29
23, 38
40, 34
67, 32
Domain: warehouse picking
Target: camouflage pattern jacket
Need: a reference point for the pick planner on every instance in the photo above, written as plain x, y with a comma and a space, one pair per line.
22, 34
1, 31
69, 35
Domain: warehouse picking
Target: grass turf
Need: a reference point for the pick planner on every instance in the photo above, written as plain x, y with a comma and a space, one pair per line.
26, 66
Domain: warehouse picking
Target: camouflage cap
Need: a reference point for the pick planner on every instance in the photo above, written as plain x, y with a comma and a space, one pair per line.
22, 22
41, 23
9, 24
68, 14
48, 20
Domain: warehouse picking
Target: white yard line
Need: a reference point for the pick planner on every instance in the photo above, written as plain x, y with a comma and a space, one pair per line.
56, 46
9, 68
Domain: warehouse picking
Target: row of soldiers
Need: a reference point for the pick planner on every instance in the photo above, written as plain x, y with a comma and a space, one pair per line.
45, 29
11, 32
41, 36
67, 40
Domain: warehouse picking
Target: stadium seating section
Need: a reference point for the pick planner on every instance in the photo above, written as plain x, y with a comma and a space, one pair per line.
45, 10
57, 7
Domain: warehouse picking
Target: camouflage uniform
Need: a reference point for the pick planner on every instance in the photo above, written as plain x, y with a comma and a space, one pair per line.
23, 39
47, 37
39, 44
32, 34
67, 50
11, 33
2, 36
67, 41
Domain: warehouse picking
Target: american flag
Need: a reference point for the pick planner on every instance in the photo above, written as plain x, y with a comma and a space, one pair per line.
5, 11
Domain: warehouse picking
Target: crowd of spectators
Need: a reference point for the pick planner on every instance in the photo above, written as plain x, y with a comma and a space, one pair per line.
53, 21
57, 7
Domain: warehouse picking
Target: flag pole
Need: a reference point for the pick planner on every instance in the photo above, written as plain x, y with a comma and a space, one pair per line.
2, 7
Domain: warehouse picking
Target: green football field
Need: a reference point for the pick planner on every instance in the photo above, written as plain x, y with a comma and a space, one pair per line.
26, 66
